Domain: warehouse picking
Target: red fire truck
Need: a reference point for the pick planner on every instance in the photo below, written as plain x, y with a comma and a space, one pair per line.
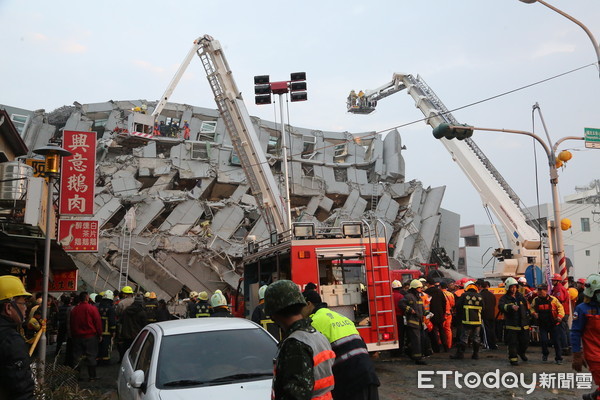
348, 264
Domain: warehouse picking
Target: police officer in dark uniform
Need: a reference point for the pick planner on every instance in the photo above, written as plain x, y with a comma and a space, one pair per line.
203, 308
469, 307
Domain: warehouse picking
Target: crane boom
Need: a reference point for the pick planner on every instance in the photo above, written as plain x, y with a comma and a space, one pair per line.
494, 190
239, 126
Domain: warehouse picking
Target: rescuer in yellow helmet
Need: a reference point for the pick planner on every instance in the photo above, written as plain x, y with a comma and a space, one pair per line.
16, 379
412, 306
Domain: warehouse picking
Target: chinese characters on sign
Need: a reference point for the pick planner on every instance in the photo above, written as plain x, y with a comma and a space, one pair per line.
78, 235
77, 180
62, 281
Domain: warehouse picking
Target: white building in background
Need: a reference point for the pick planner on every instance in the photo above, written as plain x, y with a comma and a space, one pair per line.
582, 241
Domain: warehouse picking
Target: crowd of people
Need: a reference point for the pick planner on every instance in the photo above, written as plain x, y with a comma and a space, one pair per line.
321, 353
436, 316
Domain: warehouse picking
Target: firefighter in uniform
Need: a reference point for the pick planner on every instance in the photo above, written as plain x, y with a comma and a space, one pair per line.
203, 308
16, 379
412, 305
304, 360
260, 316
353, 370
549, 313
219, 305
109, 326
150, 306
469, 307
516, 321
191, 306
586, 331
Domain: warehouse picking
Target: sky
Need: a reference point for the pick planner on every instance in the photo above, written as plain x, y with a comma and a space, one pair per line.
55, 53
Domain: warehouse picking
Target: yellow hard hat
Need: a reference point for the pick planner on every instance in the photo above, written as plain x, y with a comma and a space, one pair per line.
11, 286
127, 289
203, 295
193, 294
416, 283
152, 295
147, 294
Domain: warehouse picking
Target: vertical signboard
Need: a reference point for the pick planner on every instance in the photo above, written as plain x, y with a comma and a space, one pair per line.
77, 178
78, 235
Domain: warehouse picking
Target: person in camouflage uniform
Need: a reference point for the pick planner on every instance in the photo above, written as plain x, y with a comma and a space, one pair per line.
297, 376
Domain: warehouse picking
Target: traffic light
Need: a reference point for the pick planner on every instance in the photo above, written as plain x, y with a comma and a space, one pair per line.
448, 131
298, 86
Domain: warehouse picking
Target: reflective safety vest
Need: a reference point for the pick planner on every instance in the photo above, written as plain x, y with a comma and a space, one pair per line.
472, 304
150, 309
323, 358
341, 333
202, 309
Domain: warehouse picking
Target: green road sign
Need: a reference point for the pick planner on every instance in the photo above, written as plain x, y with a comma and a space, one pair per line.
592, 138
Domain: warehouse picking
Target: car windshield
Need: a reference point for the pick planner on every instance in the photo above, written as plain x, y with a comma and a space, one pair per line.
215, 358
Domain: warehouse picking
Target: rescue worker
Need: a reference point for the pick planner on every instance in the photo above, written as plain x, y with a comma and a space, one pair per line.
560, 292
437, 306
260, 316
219, 305
125, 301
488, 315
549, 312
585, 333
469, 308
352, 98
109, 326
16, 378
412, 306
304, 361
191, 306
516, 321
86, 331
203, 308
448, 313
150, 306
353, 369
162, 312
396, 288
133, 320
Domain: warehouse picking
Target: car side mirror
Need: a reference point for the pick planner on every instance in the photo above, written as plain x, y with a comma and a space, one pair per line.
137, 379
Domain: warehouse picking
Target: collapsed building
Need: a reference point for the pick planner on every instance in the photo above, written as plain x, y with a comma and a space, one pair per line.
175, 210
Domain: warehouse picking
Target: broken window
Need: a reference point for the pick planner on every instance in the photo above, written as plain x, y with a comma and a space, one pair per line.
235, 159
99, 125
273, 145
19, 121
308, 150
471, 241
200, 151
308, 170
341, 174
340, 151
208, 131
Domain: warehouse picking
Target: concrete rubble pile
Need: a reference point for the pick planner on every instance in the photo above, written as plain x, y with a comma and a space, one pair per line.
188, 210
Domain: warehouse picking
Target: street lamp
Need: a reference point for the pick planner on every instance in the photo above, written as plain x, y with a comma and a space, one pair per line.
296, 86
52, 152
463, 131
564, 14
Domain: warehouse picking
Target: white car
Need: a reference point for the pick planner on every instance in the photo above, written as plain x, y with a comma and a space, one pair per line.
199, 358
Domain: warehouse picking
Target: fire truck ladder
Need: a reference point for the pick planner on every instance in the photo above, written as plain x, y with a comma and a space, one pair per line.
125, 252
381, 285
215, 67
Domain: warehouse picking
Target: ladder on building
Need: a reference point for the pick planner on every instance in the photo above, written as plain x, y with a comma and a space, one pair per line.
128, 228
374, 199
